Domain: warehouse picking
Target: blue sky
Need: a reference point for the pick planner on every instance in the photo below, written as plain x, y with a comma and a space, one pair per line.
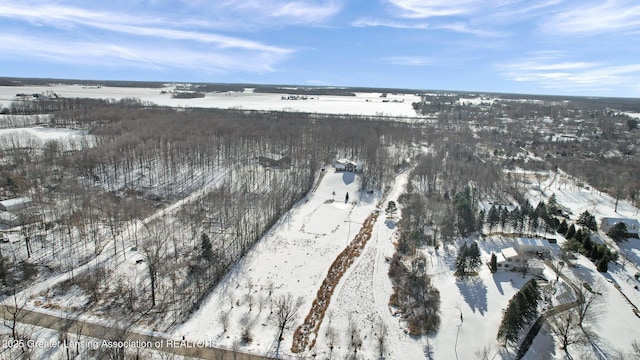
572, 47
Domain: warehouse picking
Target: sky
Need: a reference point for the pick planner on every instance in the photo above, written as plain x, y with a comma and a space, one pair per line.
565, 47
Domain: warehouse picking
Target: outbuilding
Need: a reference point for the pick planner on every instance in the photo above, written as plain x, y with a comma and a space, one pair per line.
15, 204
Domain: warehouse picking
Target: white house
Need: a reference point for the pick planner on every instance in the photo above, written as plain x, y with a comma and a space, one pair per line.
532, 246
15, 204
633, 226
510, 259
347, 165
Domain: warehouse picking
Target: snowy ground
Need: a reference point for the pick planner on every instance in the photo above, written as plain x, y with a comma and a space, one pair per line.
363, 104
616, 324
36, 136
295, 256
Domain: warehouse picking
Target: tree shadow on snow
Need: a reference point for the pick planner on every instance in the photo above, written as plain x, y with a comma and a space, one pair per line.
474, 291
348, 177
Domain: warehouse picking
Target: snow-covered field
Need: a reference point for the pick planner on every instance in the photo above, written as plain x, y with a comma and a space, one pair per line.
371, 104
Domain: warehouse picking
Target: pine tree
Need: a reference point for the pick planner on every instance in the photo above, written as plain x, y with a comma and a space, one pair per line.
552, 205
480, 221
511, 323
571, 232
493, 218
603, 264
493, 264
461, 260
521, 310
563, 228
587, 220
618, 232
468, 260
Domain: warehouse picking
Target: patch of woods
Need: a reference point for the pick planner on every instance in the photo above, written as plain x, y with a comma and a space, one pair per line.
584, 137
187, 94
102, 197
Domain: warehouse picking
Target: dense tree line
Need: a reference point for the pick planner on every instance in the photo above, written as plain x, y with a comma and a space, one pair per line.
520, 312
579, 240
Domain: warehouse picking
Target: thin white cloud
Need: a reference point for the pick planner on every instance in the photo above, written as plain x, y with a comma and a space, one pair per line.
596, 18
434, 8
143, 56
291, 12
409, 60
70, 18
458, 27
551, 71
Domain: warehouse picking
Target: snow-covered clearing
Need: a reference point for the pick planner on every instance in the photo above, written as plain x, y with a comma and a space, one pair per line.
371, 104
292, 258
37, 136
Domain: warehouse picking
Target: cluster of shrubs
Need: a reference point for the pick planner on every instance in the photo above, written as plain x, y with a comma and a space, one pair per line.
580, 241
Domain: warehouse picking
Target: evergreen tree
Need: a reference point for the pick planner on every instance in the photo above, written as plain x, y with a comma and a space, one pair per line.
468, 260
571, 232
603, 264
552, 205
504, 217
480, 221
461, 260
493, 218
521, 310
493, 264
474, 262
511, 323
563, 227
618, 232
587, 220
463, 205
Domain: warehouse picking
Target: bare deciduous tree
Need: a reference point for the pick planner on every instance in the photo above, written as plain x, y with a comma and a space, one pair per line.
286, 309
566, 329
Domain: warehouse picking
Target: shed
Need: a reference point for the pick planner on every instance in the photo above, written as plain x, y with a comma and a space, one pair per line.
15, 204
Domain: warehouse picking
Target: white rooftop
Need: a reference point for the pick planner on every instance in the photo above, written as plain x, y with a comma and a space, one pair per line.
509, 253
530, 242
